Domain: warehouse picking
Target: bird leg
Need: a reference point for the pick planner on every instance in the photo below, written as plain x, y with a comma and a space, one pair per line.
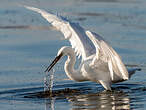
105, 84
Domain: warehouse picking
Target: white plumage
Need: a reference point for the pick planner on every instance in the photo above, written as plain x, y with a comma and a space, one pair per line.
100, 63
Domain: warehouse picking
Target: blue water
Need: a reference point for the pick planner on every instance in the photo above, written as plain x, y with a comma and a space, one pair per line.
28, 44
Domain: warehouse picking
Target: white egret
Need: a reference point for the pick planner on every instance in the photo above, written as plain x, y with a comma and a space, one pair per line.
100, 63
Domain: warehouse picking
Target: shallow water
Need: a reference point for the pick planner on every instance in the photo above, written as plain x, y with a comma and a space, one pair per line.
28, 44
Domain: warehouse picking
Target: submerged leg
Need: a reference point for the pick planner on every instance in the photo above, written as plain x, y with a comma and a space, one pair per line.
105, 84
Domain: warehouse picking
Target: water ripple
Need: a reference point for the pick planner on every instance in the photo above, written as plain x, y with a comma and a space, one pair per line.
123, 96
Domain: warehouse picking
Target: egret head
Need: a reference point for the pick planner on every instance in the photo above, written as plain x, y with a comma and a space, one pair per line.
62, 52
65, 50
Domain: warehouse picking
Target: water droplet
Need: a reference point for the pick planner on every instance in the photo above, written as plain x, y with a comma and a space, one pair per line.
48, 81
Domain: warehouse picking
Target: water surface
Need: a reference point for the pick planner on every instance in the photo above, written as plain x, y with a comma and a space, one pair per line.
28, 44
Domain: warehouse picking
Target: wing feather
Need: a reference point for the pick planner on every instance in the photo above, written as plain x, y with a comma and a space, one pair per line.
108, 54
72, 31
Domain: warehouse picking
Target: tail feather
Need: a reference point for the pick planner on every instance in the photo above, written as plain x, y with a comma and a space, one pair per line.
132, 71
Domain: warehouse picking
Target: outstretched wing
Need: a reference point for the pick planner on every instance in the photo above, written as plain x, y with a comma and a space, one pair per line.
86, 43
72, 31
117, 69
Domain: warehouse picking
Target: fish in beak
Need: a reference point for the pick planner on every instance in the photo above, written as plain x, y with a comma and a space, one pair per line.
54, 62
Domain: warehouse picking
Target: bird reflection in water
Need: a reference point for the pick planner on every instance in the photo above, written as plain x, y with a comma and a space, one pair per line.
115, 100
103, 100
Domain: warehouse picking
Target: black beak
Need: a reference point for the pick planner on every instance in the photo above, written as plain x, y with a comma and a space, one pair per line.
53, 62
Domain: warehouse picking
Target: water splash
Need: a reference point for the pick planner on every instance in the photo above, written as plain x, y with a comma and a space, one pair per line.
48, 81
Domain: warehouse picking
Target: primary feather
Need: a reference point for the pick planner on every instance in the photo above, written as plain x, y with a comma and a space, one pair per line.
72, 31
